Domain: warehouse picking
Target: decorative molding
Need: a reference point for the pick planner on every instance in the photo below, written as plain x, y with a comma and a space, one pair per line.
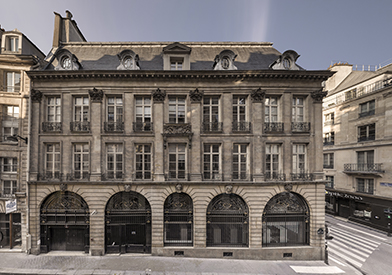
258, 95
196, 95
96, 95
127, 188
173, 129
179, 188
288, 187
63, 186
36, 96
228, 189
318, 95
158, 95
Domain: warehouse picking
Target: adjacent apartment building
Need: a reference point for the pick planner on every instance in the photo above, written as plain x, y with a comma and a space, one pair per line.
358, 144
17, 55
199, 149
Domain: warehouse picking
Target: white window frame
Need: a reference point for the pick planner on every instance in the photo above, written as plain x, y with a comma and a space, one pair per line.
329, 119
177, 106
242, 161
12, 42
11, 163
364, 108
209, 106
240, 109
328, 161
177, 153
331, 181
10, 121
273, 150
10, 82
84, 164
298, 109
296, 157
81, 108
117, 160
176, 63
143, 109
118, 109
53, 109
143, 159
13, 187
269, 107
211, 151
367, 183
53, 163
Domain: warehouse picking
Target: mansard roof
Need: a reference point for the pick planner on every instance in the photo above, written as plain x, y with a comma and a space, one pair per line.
103, 56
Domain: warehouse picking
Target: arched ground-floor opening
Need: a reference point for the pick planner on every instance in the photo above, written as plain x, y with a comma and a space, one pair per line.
128, 224
64, 223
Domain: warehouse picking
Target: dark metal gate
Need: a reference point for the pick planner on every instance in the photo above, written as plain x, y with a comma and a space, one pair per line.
64, 223
128, 224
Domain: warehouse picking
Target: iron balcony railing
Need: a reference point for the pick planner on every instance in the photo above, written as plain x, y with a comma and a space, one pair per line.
367, 138
114, 126
328, 166
241, 176
212, 176
212, 127
274, 176
175, 176
364, 167
300, 127
142, 175
77, 175
49, 175
301, 176
142, 126
51, 126
241, 126
273, 127
328, 142
80, 126
111, 175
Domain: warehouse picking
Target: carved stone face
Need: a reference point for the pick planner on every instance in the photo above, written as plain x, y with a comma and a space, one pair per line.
179, 188
225, 62
66, 63
229, 189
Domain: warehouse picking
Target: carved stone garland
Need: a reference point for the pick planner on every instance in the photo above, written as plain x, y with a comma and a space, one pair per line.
158, 95
177, 130
96, 95
196, 95
36, 96
258, 95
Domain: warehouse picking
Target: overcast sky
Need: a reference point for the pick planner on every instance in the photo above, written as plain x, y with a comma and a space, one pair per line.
321, 31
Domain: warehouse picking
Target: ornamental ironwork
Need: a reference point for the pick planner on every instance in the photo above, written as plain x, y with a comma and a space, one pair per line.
273, 127
318, 95
286, 202
241, 126
300, 126
301, 176
178, 202
62, 201
228, 202
158, 95
80, 126
177, 129
142, 126
212, 127
258, 95
36, 96
196, 95
128, 201
114, 126
51, 126
274, 176
96, 95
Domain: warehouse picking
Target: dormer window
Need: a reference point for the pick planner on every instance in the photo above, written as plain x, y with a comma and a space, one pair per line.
225, 61
67, 61
286, 61
128, 60
12, 43
176, 57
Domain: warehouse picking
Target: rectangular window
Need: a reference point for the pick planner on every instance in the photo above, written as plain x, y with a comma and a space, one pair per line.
176, 63
367, 108
143, 113
52, 169
298, 109
328, 161
240, 162
299, 158
367, 132
9, 187
177, 161
176, 109
211, 162
114, 161
365, 186
9, 165
10, 121
143, 162
330, 182
271, 109
365, 157
115, 109
211, 120
12, 82
329, 119
12, 43
54, 109
272, 161
239, 109
81, 108
329, 138
81, 160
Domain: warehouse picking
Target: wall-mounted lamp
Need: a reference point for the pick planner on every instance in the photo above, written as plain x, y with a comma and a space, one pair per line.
16, 137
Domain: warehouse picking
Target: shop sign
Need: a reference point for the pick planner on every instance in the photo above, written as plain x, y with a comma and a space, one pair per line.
343, 195
387, 184
10, 206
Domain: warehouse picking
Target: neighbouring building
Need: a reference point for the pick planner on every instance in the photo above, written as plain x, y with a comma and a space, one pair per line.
17, 55
357, 144
198, 149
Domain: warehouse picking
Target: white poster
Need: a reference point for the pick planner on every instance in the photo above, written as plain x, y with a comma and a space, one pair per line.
10, 206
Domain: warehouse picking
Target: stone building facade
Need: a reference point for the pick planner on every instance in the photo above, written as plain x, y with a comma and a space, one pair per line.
17, 55
357, 145
208, 149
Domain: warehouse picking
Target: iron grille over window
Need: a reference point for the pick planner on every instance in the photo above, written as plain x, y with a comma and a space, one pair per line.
227, 221
178, 220
286, 221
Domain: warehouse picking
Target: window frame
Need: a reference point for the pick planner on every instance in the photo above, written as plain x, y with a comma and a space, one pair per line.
328, 161
368, 186
239, 115
296, 164
84, 116
13, 188
274, 173
10, 122
268, 106
12, 165
174, 174
118, 150
213, 173
243, 158
145, 173
296, 106
56, 106
367, 132
12, 43
368, 111
55, 154
331, 181
174, 115
82, 172
118, 108
9, 80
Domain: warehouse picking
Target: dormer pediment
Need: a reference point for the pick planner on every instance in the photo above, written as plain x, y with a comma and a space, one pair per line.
177, 48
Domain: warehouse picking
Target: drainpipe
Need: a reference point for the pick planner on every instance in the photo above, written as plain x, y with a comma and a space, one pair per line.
28, 236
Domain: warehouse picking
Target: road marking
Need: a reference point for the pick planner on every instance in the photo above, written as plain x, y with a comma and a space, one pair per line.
336, 261
352, 249
348, 259
349, 252
360, 238
354, 243
317, 269
362, 231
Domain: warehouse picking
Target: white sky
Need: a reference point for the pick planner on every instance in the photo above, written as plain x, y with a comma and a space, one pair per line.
321, 31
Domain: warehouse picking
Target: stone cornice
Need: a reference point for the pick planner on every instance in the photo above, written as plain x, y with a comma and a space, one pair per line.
260, 74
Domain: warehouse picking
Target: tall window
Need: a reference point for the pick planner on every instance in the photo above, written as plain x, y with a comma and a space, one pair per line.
177, 161
365, 160
240, 161
330, 181
329, 119
211, 114
178, 210
367, 108
143, 113
114, 161
9, 187
271, 109
114, 114
143, 161
298, 109
9, 165
81, 160
328, 161
329, 138
365, 186
12, 82
12, 43
81, 114
176, 63
176, 109
239, 114
299, 158
211, 162
367, 132
272, 161
54, 109
52, 169
10, 121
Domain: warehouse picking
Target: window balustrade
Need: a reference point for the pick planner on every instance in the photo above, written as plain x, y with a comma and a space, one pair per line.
273, 127
51, 126
300, 127
80, 126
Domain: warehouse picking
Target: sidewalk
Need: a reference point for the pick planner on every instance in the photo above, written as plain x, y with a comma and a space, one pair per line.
78, 263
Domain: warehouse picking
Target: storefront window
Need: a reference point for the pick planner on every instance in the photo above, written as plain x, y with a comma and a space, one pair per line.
10, 236
362, 210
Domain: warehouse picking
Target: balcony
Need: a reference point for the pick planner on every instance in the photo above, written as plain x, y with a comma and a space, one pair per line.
80, 126
142, 126
274, 176
300, 127
241, 126
77, 176
142, 175
51, 126
273, 127
301, 176
363, 168
114, 127
366, 138
212, 127
50, 176
328, 142
111, 175
241, 176
212, 176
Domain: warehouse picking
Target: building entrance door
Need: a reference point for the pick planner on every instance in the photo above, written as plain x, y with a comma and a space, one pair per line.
67, 239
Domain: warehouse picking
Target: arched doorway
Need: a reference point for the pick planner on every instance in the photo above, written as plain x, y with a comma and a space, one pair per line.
128, 224
227, 221
178, 225
286, 221
64, 222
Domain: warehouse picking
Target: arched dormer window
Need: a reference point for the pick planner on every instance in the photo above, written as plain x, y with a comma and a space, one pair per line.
128, 60
225, 61
286, 61
67, 61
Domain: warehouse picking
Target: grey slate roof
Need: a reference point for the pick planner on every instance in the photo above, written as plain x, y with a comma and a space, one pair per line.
103, 56
354, 78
